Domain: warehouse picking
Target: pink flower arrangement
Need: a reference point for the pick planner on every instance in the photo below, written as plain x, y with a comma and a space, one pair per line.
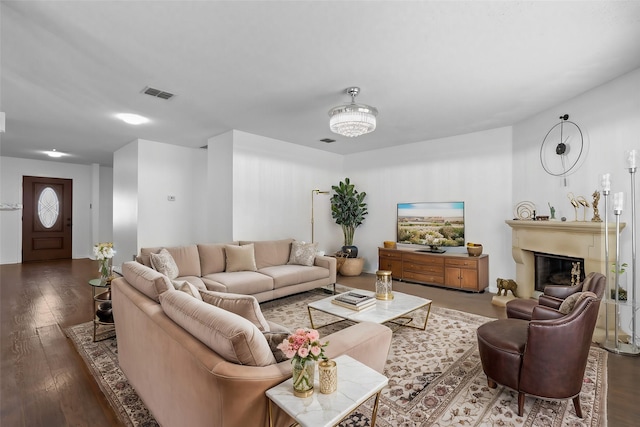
303, 344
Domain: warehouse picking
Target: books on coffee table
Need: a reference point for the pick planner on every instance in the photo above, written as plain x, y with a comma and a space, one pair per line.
354, 300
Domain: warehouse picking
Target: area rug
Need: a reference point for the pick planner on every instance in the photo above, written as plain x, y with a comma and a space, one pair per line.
435, 376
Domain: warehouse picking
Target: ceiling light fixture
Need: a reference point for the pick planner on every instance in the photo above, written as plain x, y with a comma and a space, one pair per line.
353, 119
132, 119
54, 153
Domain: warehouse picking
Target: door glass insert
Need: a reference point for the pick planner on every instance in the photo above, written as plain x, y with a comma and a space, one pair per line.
48, 207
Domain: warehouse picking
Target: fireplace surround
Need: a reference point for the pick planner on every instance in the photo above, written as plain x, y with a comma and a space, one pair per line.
571, 239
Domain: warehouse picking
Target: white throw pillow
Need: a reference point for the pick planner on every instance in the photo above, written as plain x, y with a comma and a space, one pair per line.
303, 253
240, 258
164, 263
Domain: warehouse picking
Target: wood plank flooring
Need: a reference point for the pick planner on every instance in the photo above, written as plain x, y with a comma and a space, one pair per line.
44, 382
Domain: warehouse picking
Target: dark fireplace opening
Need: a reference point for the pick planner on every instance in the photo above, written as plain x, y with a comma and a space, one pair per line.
553, 270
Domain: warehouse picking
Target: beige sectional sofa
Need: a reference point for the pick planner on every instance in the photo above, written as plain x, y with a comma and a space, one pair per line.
206, 266
208, 363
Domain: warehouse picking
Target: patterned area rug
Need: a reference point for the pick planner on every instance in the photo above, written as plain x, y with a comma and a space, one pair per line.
435, 377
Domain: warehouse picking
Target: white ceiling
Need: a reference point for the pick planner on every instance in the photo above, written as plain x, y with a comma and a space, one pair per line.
274, 68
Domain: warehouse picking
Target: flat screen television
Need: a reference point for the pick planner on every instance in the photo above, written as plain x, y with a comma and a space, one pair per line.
431, 224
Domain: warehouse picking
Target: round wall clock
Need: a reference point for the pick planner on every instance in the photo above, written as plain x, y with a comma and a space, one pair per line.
562, 148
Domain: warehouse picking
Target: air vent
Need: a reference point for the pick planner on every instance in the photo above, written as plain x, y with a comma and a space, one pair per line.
157, 93
328, 140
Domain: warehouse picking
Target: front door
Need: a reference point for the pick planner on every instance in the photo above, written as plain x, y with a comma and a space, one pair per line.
46, 218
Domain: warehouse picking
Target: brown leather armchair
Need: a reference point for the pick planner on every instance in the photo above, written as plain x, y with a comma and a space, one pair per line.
544, 358
553, 296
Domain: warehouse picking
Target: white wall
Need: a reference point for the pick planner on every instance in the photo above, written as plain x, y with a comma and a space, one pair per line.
609, 117
12, 170
219, 192
125, 202
474, 168
272, 185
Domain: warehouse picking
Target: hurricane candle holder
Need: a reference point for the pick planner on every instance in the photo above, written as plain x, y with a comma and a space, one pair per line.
384, 285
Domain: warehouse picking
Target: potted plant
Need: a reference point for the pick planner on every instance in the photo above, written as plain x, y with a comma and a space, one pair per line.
348, 209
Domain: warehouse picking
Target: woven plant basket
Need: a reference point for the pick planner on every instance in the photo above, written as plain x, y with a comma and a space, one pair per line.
352, 266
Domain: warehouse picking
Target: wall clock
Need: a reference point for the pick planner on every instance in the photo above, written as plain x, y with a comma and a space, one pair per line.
562, 148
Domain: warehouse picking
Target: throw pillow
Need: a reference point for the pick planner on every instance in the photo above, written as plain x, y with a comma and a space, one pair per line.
274, 339
243, 305
232, 337
240, 258
163, 262
303, 253
572, 300
190, 289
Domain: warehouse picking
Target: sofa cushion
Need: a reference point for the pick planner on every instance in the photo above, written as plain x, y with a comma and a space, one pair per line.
146, 280
189, 289
163, 262
271, 252
287, 275
234, 338
572, 300
243, 305
241, 282
303, 253
240, 258
185, 257
212, 258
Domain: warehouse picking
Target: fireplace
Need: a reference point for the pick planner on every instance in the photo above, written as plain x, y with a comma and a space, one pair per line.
583, 240
550, 270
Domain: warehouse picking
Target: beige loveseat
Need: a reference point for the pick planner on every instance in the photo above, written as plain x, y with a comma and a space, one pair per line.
196, 364
271, 276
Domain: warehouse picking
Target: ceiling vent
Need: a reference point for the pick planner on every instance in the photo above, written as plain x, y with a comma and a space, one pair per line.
328, 140
157, 93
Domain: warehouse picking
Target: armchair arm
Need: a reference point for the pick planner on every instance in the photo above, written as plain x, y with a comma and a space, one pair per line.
562, 292
549, 301
540, 312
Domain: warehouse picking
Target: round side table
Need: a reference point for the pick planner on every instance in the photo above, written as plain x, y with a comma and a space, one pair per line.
101, 293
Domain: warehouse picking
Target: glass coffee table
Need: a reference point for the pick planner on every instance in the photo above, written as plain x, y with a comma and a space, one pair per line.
383, 311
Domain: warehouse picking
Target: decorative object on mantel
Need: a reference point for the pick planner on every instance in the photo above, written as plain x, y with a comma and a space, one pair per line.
352, 119
574, 203
525, 210
10, 206
562, 148
585, 204
596, 199
552, 210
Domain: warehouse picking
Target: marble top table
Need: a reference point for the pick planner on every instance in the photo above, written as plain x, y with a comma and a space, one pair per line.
356, 383
383, 311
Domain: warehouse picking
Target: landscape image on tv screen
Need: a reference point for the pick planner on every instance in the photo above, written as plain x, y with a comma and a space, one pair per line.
431, 223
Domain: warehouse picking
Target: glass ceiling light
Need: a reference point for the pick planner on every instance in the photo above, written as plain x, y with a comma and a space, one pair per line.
132, 119
353, 119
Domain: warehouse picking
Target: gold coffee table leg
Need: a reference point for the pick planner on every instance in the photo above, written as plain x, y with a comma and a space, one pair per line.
374, 412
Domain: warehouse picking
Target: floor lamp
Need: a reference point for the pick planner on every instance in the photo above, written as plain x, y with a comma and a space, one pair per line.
313, 193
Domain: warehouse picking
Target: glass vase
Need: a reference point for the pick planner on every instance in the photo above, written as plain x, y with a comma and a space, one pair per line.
105, 269
303, 375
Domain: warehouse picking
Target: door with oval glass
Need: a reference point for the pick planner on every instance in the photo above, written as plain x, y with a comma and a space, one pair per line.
46, 218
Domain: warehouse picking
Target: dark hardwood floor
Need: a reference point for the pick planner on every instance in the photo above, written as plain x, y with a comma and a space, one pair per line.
44, 382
